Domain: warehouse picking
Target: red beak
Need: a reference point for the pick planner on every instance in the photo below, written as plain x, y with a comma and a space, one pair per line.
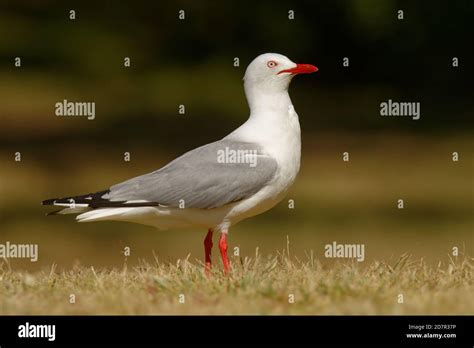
300, 69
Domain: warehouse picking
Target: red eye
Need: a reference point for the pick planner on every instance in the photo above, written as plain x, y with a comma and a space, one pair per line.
272, 64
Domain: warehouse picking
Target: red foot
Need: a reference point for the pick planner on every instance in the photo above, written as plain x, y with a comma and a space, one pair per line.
208, 250
223, 249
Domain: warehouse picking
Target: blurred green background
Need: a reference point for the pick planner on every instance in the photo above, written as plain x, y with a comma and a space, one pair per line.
190, 62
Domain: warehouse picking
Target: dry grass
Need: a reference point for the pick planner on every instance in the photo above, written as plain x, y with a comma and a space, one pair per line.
257, 285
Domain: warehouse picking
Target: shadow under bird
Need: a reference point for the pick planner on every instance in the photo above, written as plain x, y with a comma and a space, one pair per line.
219, 184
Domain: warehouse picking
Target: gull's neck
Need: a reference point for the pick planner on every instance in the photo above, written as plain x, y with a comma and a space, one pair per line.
273, 121
262, 102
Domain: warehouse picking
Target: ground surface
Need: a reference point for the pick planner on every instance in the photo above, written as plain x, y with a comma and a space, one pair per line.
257, 286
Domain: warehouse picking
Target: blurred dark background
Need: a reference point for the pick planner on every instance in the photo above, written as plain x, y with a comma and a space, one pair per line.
190, 62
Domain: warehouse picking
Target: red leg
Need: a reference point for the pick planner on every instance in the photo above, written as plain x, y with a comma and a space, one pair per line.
208, 249
223, 249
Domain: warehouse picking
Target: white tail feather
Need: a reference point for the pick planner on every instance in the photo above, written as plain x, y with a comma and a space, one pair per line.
105, 214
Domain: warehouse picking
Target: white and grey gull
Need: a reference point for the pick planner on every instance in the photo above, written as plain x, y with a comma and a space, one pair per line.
219, 184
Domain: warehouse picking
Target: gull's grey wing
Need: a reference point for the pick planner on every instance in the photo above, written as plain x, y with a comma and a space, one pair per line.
205, 177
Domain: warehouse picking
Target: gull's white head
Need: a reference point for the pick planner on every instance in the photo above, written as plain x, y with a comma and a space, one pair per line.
272, 72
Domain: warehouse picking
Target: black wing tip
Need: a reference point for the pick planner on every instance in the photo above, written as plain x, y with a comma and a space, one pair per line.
49, 201
91, 197
95, 200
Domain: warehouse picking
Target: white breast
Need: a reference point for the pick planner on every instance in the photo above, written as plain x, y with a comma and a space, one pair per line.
280, 137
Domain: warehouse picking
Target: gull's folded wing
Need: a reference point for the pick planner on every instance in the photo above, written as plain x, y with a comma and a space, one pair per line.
210, 176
